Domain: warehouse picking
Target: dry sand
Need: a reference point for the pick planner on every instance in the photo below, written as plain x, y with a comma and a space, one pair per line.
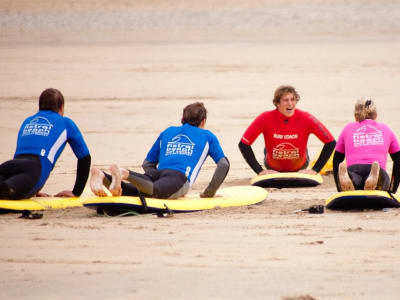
126, 70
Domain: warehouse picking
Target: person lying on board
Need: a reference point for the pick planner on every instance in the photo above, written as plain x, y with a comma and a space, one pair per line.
41, 139
172, 164
286, 130
365, 144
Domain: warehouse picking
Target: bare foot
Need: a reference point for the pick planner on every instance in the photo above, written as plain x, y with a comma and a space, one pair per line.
344, 179
124, 173
372, 180
267, 172
96, 182
308, 171
115, 187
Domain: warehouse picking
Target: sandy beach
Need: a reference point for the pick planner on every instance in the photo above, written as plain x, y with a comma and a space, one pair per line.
127, 70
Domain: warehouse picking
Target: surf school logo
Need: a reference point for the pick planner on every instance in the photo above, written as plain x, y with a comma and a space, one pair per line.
285, 151
367, 136
180, 145
38, 126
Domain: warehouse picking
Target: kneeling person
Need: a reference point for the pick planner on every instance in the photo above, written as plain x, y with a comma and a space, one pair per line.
172, 164
365, 144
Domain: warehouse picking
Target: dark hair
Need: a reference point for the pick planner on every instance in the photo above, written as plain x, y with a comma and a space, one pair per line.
194, 114
51, 99
282, 90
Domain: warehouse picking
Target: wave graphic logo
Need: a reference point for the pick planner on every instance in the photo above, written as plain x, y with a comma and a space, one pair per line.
285, 151
367, 136
180, 145
38, 126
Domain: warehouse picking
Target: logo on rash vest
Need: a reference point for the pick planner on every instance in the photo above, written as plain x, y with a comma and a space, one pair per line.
38, 126
285, 151
367, 136
286, 136
180, 145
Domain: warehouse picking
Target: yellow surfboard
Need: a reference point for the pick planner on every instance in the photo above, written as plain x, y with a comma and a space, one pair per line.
362, 199
225, 197
39, 203
286, 180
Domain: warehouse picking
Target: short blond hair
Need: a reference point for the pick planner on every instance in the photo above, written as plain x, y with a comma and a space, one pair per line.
365, 108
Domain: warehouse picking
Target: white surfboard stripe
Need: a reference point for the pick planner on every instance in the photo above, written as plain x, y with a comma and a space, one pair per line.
199, 164
60, 141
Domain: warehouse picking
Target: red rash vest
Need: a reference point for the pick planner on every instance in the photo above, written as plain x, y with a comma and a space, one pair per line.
286, 138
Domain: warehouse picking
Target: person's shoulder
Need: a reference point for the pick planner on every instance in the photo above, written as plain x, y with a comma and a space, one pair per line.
304, 114
384, 126
210, 135
68, 121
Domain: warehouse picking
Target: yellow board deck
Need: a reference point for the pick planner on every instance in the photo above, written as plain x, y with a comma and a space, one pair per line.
39, 203
225, 197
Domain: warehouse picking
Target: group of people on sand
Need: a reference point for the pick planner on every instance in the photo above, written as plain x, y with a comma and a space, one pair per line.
176, 157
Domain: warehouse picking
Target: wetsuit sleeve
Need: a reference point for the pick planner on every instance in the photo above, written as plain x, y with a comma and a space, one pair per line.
218, 178
338, 157
215, 150
81, 151
249, 157
82, 174
254, 130
394, 183
154, 154
75, 139
324, 156
320, 131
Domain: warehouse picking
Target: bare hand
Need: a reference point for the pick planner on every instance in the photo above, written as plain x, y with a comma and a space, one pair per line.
204, 195
266, 172
41, 194
65, 194
308, 171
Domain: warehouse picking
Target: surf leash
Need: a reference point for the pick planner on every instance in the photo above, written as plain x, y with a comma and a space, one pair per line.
314, 209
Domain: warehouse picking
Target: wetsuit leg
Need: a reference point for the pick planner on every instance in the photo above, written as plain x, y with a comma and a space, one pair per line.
128, 189
19, 176
360, 172
169, 183
161, 184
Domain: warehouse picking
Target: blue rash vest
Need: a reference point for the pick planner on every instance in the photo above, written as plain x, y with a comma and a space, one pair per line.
46, 134
184, 149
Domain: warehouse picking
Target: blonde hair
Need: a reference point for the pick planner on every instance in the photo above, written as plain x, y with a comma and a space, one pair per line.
365, 108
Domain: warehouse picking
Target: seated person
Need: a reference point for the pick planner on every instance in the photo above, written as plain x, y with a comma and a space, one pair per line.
41, 140
172, 164
286, 130
365, 144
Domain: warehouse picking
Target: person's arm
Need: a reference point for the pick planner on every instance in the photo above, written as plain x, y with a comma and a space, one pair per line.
394, 183
82, 175
218, 178
324, 156
338, 157
249, 157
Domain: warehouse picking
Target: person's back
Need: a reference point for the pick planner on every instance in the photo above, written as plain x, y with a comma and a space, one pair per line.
41, 139
172, 164
365, 144
185, 148
366, 141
